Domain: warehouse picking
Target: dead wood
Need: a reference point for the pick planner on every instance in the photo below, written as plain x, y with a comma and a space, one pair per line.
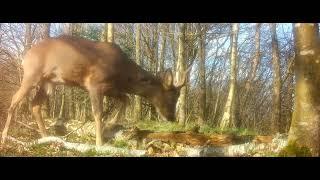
188, 138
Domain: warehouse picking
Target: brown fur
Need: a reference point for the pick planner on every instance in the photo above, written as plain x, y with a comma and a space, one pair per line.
100, 68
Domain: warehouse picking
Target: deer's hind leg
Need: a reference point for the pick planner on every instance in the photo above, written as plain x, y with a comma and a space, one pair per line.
27, 83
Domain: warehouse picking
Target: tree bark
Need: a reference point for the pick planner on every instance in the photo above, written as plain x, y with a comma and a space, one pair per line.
228, 118
28, 44
46, 34
71, 104
276, 97
28, 36
163, 47
62, 102
67, 28
155, 48
46, 30
202, 77
256, 59
54, 102
137, 102
173, 47
110, 33
181, 67
304, 130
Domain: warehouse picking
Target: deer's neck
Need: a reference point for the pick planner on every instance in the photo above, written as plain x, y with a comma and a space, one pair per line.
142, 82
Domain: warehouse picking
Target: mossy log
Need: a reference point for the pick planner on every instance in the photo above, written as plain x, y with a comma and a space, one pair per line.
188, 138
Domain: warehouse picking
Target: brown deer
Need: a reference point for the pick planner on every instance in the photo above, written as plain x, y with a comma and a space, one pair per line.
102, 69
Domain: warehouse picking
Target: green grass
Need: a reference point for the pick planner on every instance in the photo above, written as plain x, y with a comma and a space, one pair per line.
120, 143
94, 153
294, 150
81, 138
45, 150
160, 126
54, 150
236, 131
205, 129
270, 154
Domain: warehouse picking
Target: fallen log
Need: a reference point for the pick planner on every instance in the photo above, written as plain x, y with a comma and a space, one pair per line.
188, 138
200, 145
82, 147
247, 149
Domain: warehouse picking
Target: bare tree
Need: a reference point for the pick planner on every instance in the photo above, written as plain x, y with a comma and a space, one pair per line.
110, 33
164, 30
28, 36
46, 30
256, 59
181, 67
202, 75
137, 101
228, 118
304, 130
276, 101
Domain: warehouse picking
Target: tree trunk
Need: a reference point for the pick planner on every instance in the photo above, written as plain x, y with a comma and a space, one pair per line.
304, 130
228, 118
216, 106
54, 102
28, 43
71, 104
46, 30
255, 62
67, 28
163, 48
245, 110
276, 101
173, 47
181, 67
202, 76
46, 34
155, 42
137, 101
62, 102
28, 36
110, 33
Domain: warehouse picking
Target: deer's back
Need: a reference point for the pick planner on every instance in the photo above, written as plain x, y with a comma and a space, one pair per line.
71, 59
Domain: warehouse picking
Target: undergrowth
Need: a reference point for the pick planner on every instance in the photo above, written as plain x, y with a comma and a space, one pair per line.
205, 129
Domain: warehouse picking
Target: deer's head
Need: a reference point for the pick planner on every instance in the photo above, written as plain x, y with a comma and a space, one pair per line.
166, 98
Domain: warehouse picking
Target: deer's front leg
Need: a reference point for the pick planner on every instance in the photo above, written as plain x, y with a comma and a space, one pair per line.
96, 102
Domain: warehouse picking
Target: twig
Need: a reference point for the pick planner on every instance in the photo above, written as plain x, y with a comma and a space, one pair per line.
81, 147
27, 126
76, 129
16, 140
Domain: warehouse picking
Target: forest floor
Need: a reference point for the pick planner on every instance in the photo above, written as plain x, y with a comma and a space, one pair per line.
156, 139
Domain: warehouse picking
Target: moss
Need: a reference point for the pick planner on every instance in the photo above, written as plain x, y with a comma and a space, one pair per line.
236, 131
205, 129
120, 143
294, 150
81, 138
270, 154
41, 150
160, 126
90, 153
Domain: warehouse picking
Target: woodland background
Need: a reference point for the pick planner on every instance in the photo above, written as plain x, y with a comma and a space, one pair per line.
242, 76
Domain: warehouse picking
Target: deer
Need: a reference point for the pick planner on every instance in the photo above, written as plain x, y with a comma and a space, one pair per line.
100, 68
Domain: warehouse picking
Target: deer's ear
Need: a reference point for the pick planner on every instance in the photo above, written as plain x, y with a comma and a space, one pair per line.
167, 80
